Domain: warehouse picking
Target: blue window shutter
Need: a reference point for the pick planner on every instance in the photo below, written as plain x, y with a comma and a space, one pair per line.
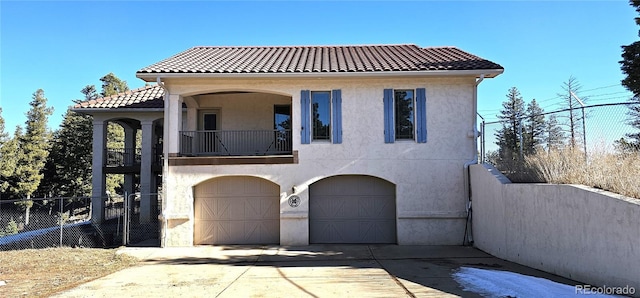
336, 102
421, 115
305, 109
389, 132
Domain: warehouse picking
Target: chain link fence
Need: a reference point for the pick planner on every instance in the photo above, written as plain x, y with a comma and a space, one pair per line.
56, 222
597, 152
600, 130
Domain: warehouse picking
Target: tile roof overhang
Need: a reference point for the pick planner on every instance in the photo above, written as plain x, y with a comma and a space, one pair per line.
320, 61
148, 98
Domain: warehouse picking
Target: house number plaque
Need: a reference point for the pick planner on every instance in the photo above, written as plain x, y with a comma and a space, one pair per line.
294, 201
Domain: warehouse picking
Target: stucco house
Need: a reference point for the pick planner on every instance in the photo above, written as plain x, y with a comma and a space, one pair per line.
295, 145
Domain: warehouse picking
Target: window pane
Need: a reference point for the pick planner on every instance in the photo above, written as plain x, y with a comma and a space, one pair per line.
282, 117
209, 121
404, 114
321, 108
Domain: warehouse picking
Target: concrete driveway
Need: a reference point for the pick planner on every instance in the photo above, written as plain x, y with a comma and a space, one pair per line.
306, 271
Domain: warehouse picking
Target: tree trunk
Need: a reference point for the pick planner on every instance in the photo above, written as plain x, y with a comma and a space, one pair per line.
27, 210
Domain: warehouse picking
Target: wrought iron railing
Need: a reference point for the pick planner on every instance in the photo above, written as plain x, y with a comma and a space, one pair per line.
117, 157
235, 142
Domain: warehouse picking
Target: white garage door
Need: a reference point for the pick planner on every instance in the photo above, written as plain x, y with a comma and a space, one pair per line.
352, 209
237, 210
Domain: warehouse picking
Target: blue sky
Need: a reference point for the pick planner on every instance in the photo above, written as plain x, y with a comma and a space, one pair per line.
63, 46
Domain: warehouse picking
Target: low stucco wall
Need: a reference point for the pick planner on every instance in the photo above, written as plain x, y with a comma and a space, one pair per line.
578, 232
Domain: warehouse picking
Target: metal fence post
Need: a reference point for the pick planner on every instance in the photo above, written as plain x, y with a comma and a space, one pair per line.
60, 219
125, 209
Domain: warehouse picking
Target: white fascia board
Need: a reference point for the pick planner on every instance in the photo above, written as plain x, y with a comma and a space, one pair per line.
489, 73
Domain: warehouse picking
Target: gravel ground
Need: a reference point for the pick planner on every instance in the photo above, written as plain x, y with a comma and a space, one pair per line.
42, 272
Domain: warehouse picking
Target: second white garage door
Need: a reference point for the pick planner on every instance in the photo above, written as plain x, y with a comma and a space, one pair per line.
237, 210
352, 209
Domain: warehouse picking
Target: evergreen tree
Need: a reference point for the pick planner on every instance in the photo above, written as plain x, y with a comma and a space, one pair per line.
68, 169
112, 85
4, 137
89, 92
8, 162
534, 128
34, 149
574, 118
508, 138
554, 136
5, 167
630, 65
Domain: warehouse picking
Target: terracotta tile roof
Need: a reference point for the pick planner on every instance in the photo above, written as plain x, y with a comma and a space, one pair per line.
145, 97
319, 59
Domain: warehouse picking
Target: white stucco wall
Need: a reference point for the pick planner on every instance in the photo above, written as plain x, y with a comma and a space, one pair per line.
244, 111
429, 177
574, 231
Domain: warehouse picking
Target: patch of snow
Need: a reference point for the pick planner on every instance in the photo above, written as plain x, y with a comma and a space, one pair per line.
495, 283
30, 234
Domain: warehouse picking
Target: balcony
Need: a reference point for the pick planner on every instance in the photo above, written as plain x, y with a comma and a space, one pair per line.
235, 142
123, 157
234, 147
125, 160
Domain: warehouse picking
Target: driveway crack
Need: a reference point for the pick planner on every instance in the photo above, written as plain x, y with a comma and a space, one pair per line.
393, 277
241, 274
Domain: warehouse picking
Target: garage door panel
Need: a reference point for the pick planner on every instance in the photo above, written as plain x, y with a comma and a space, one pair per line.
352, 209
353, 231
376, 207
237, 210
261, 208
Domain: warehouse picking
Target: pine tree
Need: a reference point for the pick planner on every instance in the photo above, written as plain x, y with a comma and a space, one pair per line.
112, 85
534, 128
8, 162
508, 138
554, 136
630, 65
4, 136
574, 119
34, 149
68, 169
5, 167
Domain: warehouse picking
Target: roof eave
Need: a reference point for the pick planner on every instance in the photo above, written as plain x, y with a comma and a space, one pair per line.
488, 73
111, 110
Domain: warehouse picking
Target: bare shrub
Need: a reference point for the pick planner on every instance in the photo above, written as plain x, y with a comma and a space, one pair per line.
615, 172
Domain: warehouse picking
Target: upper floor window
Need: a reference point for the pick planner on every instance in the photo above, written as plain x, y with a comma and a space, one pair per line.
321, 113
321, 116
405, 115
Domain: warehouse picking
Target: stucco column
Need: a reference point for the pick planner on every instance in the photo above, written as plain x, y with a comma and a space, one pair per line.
146, 171
172, 132
171, 145
129, 145
192, 116
98, 179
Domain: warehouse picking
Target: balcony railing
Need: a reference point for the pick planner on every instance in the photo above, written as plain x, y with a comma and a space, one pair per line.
124, 157
235, 142
118, 157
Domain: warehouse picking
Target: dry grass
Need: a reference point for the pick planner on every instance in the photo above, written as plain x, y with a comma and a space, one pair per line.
43, 272
615, 172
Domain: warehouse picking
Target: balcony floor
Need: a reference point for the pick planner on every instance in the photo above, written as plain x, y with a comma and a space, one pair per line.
233, 160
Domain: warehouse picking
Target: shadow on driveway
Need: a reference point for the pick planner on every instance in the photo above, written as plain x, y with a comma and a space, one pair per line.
310, 271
